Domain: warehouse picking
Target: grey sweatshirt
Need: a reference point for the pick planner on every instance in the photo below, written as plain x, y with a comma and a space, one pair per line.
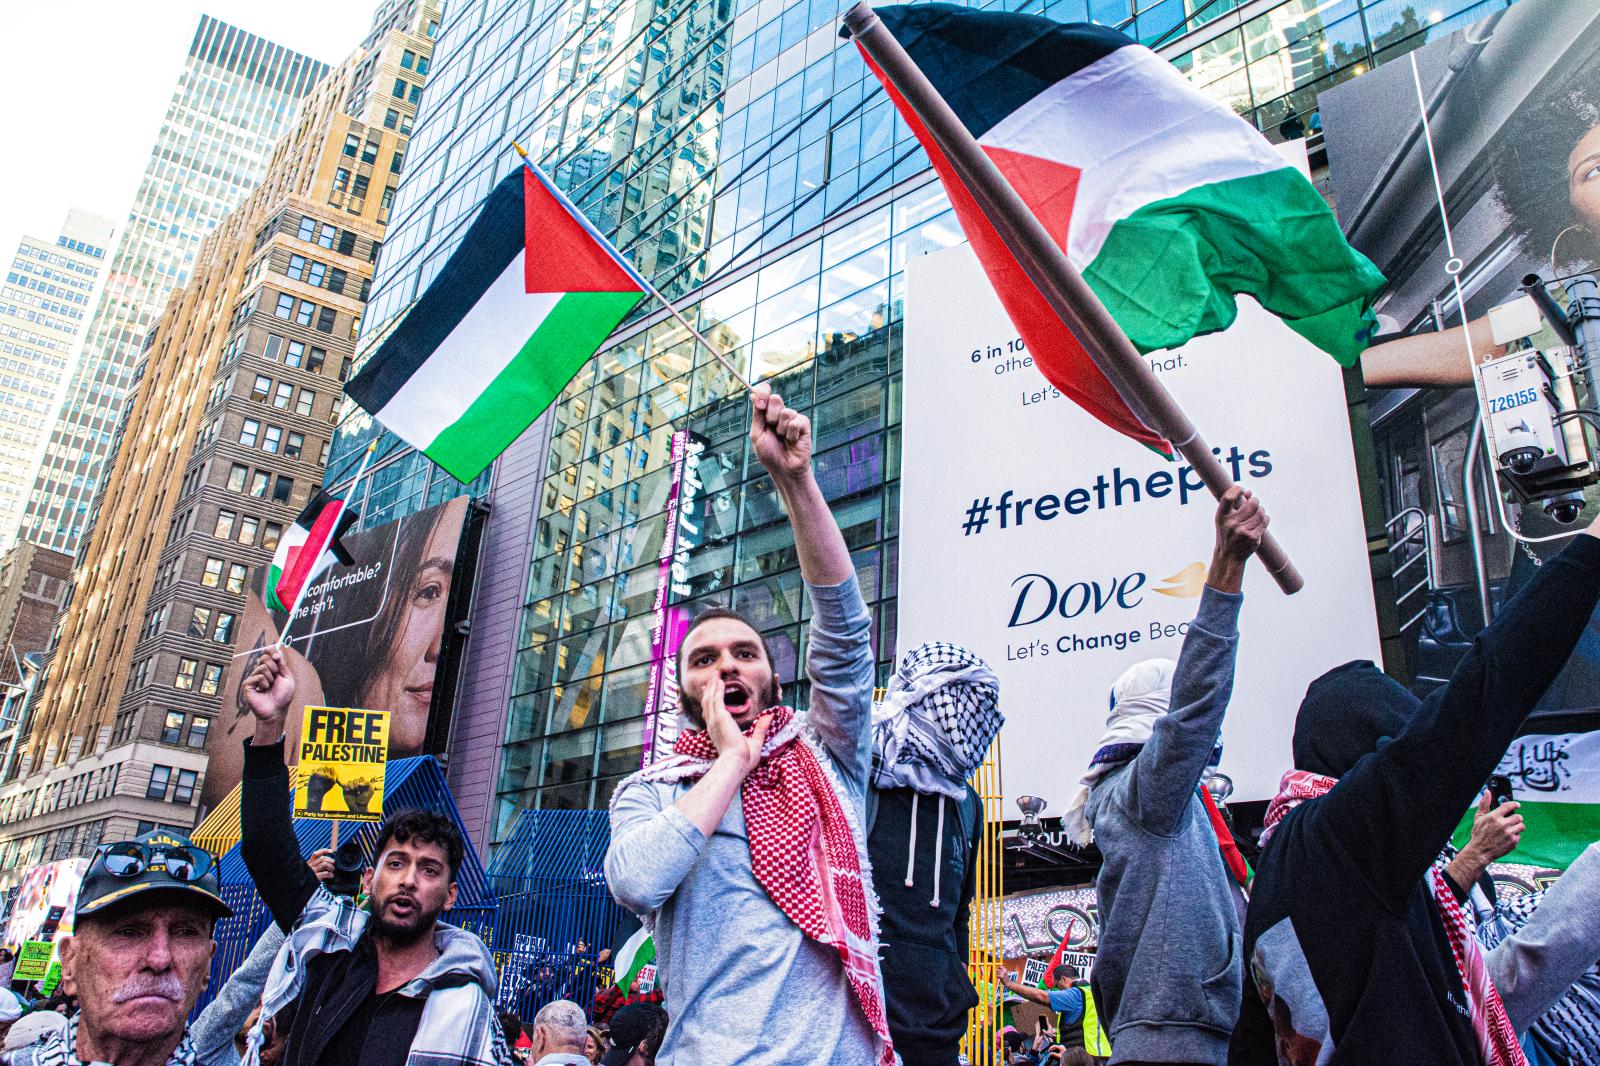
1170, 965
212, 1033
743, 984
1535, 967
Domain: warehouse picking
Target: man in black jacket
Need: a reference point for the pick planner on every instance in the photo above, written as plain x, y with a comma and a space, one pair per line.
1357, 949
368, 989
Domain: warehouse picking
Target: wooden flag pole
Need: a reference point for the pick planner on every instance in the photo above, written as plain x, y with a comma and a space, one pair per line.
299, 598
1047, 266
637, 275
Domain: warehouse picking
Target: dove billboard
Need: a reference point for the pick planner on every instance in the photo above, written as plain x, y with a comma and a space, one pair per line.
1064, 553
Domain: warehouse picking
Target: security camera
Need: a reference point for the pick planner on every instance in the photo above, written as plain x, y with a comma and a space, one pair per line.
1565, 509
1519, 447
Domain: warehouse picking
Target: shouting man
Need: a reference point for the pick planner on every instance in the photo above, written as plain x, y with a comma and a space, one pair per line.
376, 987
745, 849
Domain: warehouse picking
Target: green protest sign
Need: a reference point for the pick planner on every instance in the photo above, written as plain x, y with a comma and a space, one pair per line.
51, 979
33, 961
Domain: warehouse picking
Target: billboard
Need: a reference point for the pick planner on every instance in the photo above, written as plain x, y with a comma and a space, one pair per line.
1460, 168
369, 635
46, 899
1063, 552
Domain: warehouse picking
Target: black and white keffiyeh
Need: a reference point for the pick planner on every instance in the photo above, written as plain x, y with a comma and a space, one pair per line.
936, 721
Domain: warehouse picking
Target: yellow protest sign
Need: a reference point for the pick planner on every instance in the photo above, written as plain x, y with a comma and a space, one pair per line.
342, 755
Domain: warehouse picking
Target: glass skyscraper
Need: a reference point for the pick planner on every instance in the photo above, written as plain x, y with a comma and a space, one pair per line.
742, 156
44, 306
236, 96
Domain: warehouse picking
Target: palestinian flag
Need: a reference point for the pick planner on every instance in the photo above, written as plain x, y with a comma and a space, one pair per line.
1555, 777
307, 548
1168, 203
638, 952
530, 294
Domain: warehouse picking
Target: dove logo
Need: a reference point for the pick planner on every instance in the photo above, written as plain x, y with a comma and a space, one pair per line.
1039, 597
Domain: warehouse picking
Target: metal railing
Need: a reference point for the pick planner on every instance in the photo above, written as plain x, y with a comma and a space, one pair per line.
1411, 545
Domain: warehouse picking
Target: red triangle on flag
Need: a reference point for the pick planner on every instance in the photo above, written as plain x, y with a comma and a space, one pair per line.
1045, 185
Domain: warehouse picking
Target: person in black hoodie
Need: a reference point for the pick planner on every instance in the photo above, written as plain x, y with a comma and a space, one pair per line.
930, 732
1357, 949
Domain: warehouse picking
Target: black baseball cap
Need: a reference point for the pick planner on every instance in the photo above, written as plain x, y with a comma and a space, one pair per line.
630, 1027
158, 861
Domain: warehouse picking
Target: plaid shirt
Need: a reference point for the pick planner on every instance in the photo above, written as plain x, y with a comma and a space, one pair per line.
610, 1000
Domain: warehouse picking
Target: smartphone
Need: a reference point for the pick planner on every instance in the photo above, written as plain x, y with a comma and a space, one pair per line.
1499, 791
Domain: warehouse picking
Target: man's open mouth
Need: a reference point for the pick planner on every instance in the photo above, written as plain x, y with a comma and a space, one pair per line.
734, 695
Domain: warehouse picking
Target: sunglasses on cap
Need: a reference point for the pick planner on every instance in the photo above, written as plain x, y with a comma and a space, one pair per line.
129, 859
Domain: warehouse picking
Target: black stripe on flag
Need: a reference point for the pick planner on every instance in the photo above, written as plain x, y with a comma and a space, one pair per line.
492, 241
987, 64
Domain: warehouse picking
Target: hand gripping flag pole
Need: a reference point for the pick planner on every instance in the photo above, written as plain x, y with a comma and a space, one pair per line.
643, 281
1047, 267
299, 597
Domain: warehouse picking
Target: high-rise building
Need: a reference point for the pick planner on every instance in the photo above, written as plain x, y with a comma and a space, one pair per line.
236, 96
225, 438
742, 157
44, 308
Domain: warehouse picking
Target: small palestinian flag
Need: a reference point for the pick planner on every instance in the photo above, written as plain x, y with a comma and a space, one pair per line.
636, 954
530, 294
307, 548
1167, 202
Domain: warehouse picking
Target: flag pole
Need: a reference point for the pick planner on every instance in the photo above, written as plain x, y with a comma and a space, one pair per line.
1047, 266
637, 275
299, 598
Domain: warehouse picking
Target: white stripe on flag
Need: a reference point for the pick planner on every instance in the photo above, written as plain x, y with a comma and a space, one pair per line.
1554, 768
461, 369
1139, 132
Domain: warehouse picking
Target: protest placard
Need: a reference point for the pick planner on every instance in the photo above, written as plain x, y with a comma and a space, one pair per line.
342, 753
33, 960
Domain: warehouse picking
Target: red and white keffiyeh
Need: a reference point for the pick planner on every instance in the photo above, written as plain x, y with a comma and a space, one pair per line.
1497, 1039
806, 850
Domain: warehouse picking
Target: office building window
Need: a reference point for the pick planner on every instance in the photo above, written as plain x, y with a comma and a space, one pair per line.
285, 308
212, 576
336, 279
315, 360
304, 404
328, 235
325, 319
280, 399
198, 728
184, 678
271, 533
223, 633
414, 95
159, 777
271, 439
224, 527
259, 390
183, 791
408, 59
172, 728
294, 354
211, 679
282, 488
249, 432
200, 624
315, 272
293, 445
236, 574
352, 144
391, 119
258, 483
236, 476
394, 164
308, 226
341, 182
399, 92
248, 526
307, 312
274, 347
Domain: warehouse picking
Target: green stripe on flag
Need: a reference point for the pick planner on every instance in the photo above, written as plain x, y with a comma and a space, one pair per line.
1168, 271
1556, 833
572, 331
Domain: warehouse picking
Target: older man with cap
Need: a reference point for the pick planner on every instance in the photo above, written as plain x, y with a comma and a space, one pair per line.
139, 955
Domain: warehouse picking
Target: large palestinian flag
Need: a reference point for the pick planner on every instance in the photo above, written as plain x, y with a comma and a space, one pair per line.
527, 298
307, 548
1166, 201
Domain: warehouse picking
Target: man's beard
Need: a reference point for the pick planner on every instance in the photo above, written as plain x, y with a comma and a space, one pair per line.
402, 933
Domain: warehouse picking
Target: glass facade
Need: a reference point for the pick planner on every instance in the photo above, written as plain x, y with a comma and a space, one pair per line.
745, 160
237, 95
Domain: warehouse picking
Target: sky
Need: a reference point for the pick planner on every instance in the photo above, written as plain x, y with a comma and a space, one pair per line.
85, 84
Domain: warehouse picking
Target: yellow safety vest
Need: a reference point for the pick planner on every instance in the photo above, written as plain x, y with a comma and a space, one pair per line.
1094, 1037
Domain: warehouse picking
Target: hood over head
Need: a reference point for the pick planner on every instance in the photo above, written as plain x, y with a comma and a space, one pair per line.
1346, 714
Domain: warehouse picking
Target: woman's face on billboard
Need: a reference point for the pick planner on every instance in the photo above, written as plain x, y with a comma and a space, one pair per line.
1583, 179
404, 685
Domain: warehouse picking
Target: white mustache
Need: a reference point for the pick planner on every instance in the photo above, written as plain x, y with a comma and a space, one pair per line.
167, 987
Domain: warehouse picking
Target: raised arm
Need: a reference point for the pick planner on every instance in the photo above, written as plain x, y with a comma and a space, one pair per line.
1396, 808
1429, 359
1168, 768
267, 842
839, 659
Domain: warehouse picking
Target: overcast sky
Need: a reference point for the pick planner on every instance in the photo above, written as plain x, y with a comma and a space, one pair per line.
84, 85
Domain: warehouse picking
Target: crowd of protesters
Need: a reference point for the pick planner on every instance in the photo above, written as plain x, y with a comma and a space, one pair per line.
808, 876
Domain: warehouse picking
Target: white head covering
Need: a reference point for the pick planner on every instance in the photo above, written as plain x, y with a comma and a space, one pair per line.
1138, 700
34, 1027
936, 721
10, 1006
